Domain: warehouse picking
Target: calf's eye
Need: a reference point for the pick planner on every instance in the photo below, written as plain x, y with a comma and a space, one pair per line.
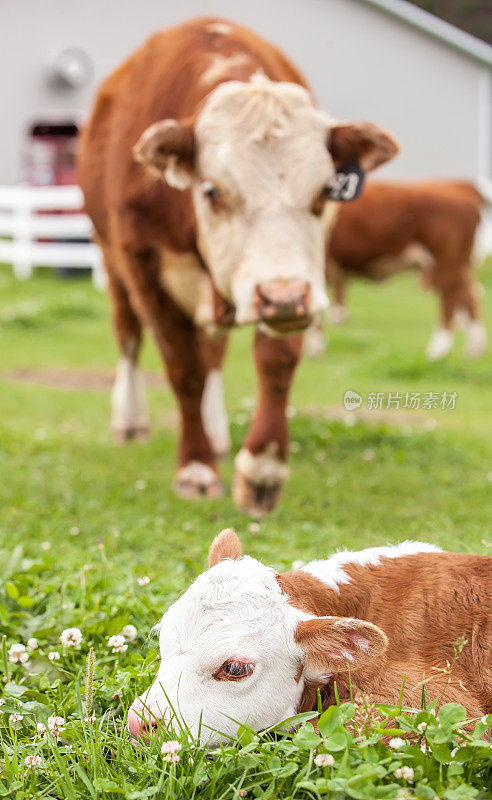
234, 670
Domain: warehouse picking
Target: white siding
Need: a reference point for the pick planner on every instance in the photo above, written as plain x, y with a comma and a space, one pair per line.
361, 62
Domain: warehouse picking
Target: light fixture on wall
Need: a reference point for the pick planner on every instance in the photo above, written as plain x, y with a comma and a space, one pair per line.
70, 68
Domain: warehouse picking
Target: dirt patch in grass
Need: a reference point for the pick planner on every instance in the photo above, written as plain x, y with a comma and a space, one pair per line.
93, 379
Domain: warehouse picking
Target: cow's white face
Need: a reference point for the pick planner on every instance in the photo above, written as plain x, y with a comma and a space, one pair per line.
259, 164
232, 618
234, 650
262, 165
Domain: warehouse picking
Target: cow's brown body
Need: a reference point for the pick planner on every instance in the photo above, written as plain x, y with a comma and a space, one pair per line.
435, 609
205, 167
394, 227
136, 217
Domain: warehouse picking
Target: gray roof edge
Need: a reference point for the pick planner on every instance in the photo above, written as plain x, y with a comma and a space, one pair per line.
436, 27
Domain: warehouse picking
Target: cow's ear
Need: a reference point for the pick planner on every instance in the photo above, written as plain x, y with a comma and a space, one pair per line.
167, 149
338, 644
362, 143
225, 545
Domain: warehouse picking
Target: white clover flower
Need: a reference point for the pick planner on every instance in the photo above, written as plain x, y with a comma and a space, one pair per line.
422, 726
33, 761
406, 773
14, 720
32, 644
41, 727
170, 751
324, 760
18, 654
254, 527
117, 643
396, 743
55, 724
130, 633
143, 581
54, 655
71, 637
140, 484
74, 531
45, 546
90, 720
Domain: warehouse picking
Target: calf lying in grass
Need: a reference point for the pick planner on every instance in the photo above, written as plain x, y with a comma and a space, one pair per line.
247, 644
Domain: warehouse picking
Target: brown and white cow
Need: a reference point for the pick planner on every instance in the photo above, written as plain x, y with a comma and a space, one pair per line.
248, 644
205, 168
394, 227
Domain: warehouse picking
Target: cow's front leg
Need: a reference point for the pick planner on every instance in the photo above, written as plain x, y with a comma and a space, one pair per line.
177, 339
261, 465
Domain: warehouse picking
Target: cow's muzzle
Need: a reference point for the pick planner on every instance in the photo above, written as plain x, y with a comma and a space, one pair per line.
141, 724
283, 304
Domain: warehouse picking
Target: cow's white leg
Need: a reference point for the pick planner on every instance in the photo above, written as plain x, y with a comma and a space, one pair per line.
129, 416
258, 480
196, 480
314, 340
214, 413
476, 338
440, 344
338, 314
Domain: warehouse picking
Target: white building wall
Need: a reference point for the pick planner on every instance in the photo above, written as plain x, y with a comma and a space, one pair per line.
361, 62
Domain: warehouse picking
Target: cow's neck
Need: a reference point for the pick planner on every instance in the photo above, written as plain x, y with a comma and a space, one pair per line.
313, 596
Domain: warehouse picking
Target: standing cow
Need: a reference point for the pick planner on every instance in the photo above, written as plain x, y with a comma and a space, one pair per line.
205, 168
428, 226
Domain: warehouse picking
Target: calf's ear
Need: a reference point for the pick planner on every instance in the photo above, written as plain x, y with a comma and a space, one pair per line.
337, 644
362, 143
225, 545
167, 149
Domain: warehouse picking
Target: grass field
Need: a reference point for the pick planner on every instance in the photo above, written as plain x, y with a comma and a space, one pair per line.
81, 521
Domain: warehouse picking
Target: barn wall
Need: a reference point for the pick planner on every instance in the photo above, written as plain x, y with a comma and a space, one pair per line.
361, 62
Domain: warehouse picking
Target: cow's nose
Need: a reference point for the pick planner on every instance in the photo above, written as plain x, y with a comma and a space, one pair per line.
281, 302
141, 725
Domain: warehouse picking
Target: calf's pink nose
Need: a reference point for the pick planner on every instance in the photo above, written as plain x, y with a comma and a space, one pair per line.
139, 724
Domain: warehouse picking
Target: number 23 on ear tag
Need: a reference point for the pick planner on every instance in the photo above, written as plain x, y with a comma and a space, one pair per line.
346, 183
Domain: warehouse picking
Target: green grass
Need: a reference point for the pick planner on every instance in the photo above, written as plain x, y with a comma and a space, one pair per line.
108, 516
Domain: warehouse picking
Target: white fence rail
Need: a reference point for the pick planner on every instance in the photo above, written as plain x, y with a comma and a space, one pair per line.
31, 213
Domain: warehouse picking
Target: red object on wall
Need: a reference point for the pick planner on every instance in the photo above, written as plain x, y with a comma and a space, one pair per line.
49, 153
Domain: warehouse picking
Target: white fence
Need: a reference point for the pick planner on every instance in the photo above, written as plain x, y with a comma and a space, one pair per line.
29, 214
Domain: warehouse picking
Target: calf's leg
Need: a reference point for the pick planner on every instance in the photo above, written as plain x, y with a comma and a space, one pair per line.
129, 417
261, 465
178, 342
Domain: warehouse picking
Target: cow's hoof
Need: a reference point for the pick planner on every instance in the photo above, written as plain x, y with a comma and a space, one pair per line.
258, 481
124, 435
476, 340
440, 344
197, 480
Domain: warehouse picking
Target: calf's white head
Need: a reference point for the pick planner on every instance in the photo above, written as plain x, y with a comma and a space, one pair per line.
259, 158
235, 650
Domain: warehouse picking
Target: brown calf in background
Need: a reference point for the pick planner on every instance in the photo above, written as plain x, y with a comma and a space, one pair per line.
395, 227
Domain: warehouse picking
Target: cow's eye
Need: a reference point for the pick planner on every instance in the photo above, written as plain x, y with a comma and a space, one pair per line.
212, 193
234, 670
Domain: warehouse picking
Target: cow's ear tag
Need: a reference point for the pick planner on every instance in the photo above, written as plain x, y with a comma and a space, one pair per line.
346, 183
